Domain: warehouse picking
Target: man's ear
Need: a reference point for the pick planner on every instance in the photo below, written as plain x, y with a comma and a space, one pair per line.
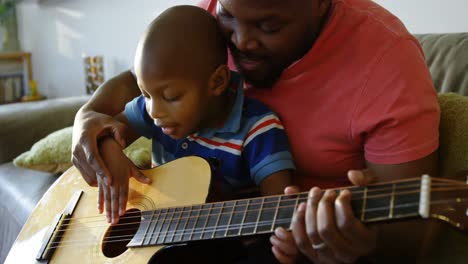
219, 80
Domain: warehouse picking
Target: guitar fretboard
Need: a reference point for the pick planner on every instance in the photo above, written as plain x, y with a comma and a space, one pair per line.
264, 214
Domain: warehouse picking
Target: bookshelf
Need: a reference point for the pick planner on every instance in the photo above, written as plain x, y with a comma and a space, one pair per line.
15, 74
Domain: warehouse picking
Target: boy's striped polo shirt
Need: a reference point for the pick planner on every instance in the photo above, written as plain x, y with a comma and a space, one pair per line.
250, 146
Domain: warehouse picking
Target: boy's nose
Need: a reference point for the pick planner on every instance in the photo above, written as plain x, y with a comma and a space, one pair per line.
156, 111
158, 122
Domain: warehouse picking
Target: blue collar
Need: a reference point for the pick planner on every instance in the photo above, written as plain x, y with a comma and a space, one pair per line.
232, 123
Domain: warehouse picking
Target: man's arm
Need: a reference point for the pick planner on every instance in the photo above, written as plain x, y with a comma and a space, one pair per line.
398, 121
110, 98
390, 234
275, 183
416, 168
94, 120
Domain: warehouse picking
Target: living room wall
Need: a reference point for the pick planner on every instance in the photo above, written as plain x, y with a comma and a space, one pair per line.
430, 16
59, 32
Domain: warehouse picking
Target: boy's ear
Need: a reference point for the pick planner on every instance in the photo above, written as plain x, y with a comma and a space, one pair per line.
219, 80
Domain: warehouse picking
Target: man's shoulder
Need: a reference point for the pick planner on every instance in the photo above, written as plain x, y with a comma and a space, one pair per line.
371, 32
365, 12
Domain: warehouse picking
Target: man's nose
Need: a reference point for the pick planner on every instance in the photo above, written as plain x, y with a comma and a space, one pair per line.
243, 38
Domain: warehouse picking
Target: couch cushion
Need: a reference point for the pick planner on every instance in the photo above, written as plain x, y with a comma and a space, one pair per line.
453, 147
447, 59
22, 124
20, 190
50, 154
53, 153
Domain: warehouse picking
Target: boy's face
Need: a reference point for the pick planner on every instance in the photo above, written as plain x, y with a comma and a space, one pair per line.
178, 106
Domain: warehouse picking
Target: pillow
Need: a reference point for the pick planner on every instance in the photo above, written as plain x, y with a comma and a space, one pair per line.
52, 153
453, 147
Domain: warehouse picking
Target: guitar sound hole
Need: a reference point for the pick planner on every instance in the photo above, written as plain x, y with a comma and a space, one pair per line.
118, 235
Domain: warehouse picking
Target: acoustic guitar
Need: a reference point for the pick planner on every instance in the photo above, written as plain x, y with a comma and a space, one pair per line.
65, 227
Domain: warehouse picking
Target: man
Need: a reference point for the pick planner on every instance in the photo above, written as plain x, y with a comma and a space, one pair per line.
352, 89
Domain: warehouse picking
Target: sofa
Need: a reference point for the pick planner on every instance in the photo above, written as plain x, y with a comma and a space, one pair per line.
23, 124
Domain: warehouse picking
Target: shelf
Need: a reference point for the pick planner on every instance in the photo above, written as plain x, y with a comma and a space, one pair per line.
25, 57
15, 76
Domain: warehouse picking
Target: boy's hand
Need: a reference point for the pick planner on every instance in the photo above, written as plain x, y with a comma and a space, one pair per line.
114, 197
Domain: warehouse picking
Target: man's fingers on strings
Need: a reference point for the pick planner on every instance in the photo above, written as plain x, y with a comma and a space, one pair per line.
327, 227
299, 232
291, 190
361, 177
284, 240
315, 194
362, 238
347, 224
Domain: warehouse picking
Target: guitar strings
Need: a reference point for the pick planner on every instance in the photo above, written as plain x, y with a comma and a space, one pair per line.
354, 194
203, 230
375, 209
224, 229
234, 205
354, 198
184, 233
297, 196
370, 189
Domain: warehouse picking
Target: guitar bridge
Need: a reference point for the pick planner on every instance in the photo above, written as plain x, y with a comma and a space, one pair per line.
57, 229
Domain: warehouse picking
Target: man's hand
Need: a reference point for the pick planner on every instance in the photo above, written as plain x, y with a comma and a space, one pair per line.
324, 228
284, 248
113, 198
89, 126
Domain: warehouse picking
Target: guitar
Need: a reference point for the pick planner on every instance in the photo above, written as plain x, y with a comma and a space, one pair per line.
64, 225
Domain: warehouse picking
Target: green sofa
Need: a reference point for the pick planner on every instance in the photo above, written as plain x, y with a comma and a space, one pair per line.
21, 125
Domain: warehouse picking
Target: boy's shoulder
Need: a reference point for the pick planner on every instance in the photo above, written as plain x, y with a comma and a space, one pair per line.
253, 107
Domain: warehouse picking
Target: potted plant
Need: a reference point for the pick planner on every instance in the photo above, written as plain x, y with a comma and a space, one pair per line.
8, 27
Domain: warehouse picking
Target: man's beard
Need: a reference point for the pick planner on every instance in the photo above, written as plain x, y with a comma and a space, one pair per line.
264, 77
262, 82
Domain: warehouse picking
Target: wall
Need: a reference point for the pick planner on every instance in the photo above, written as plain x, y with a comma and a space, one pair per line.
58, 32
430, 16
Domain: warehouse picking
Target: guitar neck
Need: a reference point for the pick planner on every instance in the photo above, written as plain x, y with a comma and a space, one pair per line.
379, 202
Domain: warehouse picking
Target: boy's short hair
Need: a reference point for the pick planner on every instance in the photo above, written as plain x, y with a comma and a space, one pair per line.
186, 37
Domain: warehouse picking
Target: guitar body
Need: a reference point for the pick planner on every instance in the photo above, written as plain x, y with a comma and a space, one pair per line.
181, 182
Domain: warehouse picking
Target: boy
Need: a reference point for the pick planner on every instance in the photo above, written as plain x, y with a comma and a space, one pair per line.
191, 104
